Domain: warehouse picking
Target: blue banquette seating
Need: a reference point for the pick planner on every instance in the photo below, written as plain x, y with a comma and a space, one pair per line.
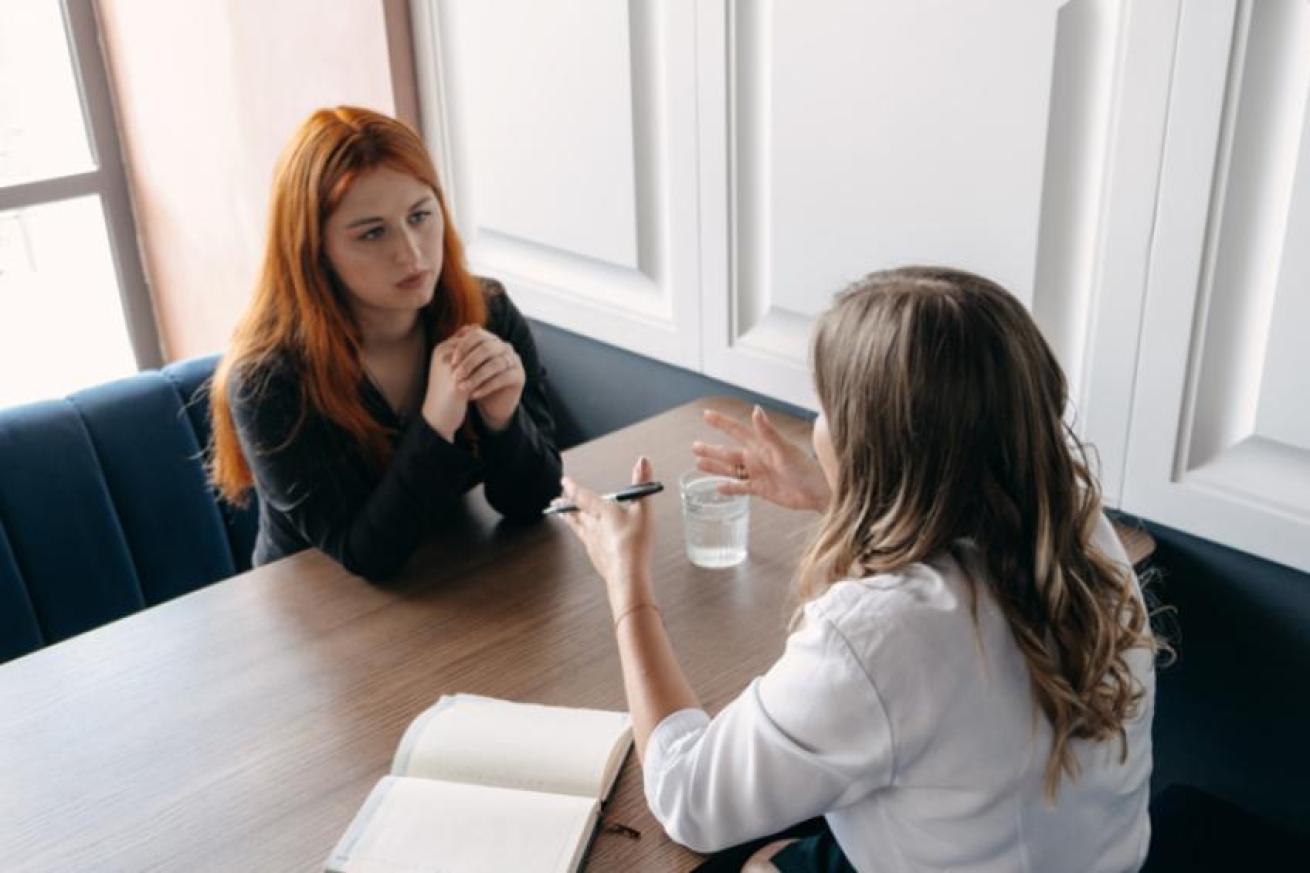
105, 508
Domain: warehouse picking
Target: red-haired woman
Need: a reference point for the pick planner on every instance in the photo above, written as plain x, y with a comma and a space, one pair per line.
373, 381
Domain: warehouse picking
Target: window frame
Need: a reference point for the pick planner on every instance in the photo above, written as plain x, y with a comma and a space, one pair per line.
108, 181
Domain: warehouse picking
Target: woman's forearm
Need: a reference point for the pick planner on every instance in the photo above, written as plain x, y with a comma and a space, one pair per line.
523, 467
653, 679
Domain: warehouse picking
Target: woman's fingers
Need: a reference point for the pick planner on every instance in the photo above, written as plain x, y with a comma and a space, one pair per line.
642, 471
493, 384
454, 344
731, 484
765, 427
571, 519
451, 343
474, 372
468, 358
503, 365
717, 453
487, 361
733, 428
717, 468
733, 487
469, 336
442, 355
588, 501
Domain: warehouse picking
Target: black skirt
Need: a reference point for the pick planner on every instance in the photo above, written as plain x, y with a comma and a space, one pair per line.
815, 851
818, 853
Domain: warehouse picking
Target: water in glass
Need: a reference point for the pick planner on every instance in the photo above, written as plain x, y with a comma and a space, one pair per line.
716, 525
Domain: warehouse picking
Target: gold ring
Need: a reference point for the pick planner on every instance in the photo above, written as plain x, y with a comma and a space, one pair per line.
740, 471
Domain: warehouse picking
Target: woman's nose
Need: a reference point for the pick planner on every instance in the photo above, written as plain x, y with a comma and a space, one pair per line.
408, 253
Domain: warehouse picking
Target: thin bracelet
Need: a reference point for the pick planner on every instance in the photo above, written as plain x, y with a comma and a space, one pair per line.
633, 608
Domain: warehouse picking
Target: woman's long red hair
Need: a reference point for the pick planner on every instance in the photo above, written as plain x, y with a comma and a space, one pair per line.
297, 312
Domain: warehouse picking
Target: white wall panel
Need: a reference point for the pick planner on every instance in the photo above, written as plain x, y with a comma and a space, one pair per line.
1106, 131
1281, 415
543, 165
861, 136
1006, 138
692, 180
1218, 444
565, 130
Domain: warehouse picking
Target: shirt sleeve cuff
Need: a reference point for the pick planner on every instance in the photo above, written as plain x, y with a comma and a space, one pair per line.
507, 442
426, 452
670, 739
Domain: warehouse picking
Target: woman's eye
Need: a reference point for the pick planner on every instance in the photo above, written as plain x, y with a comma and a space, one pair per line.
420, 216
371, 233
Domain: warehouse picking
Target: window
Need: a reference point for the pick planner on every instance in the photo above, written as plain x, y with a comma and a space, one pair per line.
74, 309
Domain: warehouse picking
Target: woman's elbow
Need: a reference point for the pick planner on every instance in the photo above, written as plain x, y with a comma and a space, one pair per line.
376, 569
682, 820
525, 504
689, 832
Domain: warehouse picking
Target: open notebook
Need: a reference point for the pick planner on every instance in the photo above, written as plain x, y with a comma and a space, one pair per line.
483, 784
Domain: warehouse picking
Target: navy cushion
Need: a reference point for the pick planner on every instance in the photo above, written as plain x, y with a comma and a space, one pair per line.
191, 379
1193, 831
19, 631
151, 463
61, 523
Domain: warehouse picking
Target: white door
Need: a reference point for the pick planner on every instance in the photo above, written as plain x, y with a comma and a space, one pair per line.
1017, 139
1220, 442
565, 131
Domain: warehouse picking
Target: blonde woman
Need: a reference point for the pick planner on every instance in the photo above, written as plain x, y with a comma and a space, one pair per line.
969, 681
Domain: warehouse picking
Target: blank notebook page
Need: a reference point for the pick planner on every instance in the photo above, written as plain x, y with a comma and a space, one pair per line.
467, 738
419, 825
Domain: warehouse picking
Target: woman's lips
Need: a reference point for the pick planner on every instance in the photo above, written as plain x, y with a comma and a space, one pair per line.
413, 280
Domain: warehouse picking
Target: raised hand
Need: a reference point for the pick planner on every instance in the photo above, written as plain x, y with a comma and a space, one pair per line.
618, 537
445, 404
489, 371
763, 463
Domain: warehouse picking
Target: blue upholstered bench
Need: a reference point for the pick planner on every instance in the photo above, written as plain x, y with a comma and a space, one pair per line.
104, 506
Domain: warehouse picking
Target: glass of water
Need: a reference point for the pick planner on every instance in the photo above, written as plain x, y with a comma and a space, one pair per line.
716, 525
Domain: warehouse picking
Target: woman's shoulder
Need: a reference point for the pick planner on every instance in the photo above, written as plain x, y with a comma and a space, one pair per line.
921, 600
266, 395
491, 288
252, 379
503, 317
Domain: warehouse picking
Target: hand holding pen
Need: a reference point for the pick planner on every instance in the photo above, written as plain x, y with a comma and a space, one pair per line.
618, 533
632, 492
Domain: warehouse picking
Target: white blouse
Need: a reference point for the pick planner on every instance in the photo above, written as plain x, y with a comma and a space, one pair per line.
915, 732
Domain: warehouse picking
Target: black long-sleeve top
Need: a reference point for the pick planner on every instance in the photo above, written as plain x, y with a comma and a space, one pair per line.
317, 487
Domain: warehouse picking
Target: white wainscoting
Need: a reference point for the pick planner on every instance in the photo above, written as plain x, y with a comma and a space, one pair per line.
1220, 438
565, 133
861, 135
692, 180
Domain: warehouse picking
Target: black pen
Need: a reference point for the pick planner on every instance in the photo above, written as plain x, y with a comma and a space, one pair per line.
630, 493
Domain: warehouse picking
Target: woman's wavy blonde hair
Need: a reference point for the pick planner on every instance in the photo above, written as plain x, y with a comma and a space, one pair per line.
946, 411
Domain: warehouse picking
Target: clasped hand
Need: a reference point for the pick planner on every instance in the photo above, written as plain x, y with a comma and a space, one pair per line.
475, 366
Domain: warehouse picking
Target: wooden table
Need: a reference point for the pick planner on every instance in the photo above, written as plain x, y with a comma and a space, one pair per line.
241, 726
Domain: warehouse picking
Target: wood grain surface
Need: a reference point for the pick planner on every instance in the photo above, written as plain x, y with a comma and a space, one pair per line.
241, 726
